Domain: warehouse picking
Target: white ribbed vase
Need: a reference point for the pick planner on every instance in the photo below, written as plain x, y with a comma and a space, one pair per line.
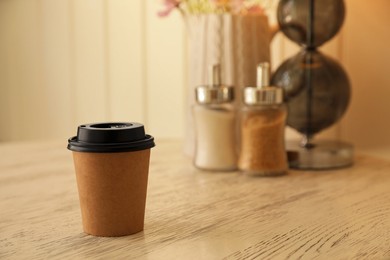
237, 42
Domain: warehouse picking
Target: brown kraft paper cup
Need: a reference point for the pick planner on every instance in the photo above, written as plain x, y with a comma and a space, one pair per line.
112, 191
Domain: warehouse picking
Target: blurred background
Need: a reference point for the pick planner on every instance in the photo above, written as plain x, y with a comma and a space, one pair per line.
68, 62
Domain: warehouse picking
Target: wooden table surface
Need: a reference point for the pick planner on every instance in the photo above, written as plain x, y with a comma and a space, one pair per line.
340, 214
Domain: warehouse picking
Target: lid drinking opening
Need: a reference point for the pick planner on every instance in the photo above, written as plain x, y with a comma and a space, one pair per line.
111, 125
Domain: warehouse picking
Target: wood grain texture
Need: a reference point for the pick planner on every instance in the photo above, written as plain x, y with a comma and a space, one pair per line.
342, 214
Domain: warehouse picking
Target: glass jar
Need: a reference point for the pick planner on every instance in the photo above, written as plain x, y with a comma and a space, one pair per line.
215, 143
262, 140
215, 125
262, 124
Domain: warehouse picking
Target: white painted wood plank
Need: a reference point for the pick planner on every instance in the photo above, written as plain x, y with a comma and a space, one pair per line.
125, 60
89, 54
24, 109
166, 85
58, 79
7, 65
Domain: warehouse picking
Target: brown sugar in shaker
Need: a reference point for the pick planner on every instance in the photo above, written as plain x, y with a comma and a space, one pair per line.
263, 118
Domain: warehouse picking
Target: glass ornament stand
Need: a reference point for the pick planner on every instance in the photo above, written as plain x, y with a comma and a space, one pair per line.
309, 153
319, 155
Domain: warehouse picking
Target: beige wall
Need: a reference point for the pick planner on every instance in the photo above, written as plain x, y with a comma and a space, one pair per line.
366, 55
68, 62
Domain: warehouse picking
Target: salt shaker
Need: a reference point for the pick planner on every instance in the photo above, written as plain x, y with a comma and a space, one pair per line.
215, 125
262, 125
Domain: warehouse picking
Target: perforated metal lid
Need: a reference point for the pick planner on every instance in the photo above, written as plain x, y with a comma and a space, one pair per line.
214, 92
263, 93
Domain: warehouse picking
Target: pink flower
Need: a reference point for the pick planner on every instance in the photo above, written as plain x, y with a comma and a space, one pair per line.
169, 6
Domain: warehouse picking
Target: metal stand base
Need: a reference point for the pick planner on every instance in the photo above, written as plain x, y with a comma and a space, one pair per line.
321, 155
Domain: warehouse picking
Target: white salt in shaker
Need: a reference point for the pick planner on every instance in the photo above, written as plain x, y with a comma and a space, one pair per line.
215, 126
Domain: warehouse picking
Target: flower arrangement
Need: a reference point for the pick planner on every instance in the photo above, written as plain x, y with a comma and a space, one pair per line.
216, 6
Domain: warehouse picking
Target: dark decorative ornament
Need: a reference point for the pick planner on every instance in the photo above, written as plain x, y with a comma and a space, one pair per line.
293, 18
317, 89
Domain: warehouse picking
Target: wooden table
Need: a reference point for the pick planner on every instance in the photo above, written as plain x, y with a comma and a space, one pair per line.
341, 214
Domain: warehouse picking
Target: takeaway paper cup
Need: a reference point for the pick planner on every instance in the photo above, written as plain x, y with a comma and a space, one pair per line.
112, 163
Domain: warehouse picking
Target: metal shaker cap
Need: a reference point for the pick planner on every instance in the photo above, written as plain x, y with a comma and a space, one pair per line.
263, 93
214, 92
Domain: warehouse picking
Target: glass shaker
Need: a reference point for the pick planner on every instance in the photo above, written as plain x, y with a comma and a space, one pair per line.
215, 125
263, 119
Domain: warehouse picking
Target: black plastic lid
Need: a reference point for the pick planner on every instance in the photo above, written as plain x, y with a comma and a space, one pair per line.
110, 138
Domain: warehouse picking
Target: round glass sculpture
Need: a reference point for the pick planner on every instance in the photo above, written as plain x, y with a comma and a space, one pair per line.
317, 91
310, 23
